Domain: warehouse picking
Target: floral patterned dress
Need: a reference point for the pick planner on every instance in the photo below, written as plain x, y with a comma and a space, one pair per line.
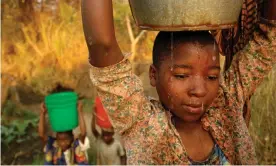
146, 127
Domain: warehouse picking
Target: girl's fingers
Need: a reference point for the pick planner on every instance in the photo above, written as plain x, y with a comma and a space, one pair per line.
43, 107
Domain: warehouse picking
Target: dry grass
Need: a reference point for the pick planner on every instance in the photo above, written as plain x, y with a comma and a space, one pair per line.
51, 51
263, 120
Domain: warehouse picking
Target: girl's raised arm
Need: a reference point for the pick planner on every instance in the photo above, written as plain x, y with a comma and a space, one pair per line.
98, 26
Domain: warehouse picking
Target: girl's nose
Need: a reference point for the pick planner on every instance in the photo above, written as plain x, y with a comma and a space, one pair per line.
198, 87
63, 143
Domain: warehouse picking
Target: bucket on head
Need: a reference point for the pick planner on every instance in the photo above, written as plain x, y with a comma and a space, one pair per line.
62, 110
179, 15
102, 118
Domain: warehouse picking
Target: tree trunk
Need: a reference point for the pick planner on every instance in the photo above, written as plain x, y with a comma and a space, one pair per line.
42, 6
134, 40
27, 10
133, 50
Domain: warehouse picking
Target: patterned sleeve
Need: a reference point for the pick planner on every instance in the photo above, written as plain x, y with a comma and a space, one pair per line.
252, 64
122, 94
48, 158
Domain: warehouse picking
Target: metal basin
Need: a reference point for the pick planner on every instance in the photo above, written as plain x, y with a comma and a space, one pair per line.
177, 15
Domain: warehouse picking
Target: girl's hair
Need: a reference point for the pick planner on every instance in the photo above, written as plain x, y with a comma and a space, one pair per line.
69, 132
166, 41
59, 88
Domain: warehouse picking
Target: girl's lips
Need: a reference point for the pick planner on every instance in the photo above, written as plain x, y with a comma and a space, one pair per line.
193, 109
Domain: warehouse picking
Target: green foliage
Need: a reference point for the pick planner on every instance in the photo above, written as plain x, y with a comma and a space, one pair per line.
16, 123
38, 160
17, 131
9, 109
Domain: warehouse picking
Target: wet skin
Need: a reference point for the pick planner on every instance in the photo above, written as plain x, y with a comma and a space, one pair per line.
187, 84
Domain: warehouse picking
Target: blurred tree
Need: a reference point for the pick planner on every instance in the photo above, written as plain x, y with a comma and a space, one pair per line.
134, 39
27, 9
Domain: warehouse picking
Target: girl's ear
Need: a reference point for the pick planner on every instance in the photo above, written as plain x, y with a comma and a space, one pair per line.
153, 75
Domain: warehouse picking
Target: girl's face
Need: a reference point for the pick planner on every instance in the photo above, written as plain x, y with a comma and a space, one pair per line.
188, 82
107, 137
64, 140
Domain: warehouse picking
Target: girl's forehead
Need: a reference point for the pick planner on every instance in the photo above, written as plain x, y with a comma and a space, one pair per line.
193, 57
107, 133
63, 135
193, 50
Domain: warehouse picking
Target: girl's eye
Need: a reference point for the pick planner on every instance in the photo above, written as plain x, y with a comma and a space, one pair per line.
180, 76
212, 78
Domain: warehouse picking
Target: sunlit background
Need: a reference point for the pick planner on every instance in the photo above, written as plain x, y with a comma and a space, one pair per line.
43, 45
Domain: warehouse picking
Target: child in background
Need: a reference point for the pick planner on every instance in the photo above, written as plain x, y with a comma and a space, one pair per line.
199, 116
64, 149
109, 150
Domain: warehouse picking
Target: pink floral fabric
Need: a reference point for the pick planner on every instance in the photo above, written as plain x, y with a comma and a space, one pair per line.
146, 127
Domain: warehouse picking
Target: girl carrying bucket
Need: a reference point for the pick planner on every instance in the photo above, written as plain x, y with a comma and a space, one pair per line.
198, 118
109, 149
64, 148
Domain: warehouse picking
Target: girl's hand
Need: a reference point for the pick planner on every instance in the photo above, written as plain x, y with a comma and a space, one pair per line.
43, 108
81, 122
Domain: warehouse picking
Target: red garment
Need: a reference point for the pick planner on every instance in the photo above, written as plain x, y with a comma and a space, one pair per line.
102, 118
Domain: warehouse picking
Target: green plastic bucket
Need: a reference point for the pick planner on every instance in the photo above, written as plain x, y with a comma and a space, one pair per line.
62, 110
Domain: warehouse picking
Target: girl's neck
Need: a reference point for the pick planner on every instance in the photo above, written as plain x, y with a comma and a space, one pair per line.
184, 126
